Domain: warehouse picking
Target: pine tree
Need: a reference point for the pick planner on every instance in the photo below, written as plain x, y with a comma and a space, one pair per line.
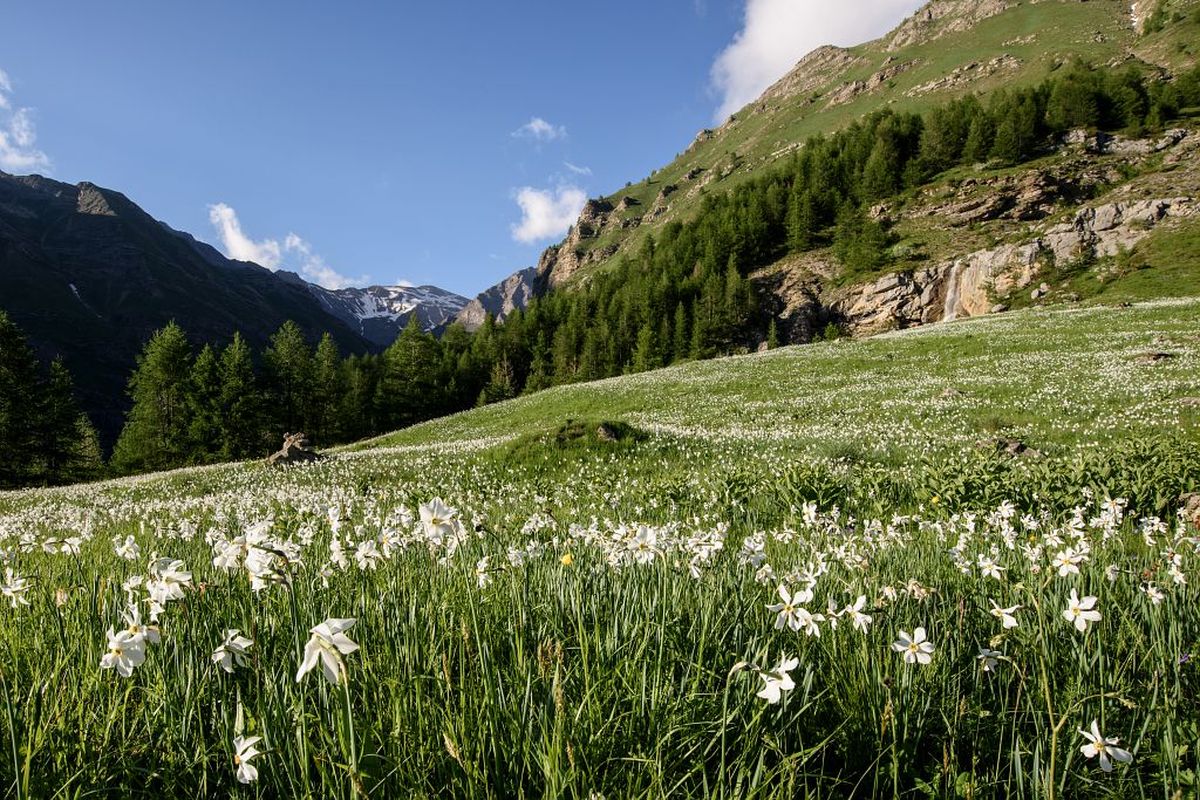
20, 407
155, 435
329, 384
204, 407
243, 433
646, 357
681, 343
69, 448
539, 366
772, 335
289, 366
408, 392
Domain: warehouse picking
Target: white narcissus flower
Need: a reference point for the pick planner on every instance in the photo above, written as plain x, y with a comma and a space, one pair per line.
1151, 591
243, 751
777, 681
1007, 616
328, 644
990, 568
644, 545
915, 648
127, 549
440, 521
1081, 612
1106, 748
861, 620
787, 612
14, 588
988, 659
482, 575
125, 653
232, 650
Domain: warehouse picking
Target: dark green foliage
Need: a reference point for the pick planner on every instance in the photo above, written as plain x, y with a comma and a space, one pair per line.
157, 433
44, 437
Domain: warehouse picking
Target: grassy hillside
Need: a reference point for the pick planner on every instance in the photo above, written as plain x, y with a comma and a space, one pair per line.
1021, 46
597, 610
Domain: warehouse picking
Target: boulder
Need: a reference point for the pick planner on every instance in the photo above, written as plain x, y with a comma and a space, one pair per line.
297, 449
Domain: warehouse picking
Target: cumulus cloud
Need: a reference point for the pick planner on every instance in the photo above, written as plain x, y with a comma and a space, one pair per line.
18, 135
776, 34
293, 253
540, 130
547, 213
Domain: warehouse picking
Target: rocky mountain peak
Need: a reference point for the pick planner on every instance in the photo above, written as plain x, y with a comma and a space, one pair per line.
941, 17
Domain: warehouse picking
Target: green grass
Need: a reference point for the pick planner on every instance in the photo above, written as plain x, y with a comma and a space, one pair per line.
582, 626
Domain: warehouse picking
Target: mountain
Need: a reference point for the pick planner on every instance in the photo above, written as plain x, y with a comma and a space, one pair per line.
511, 294
947, 49
89, 276
379, 313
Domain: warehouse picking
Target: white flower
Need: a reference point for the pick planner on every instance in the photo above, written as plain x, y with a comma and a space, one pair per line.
989, 567
440, 522
988, 659
328, 644
1081, 612
787, 612
1005, 615
916, 648
127, 549
482, 576
861, 620
1106, 748
1067, 562
232, 650
643, 546
14, 588
777, 681
138, 631
243, 751
1153, 592
125, 653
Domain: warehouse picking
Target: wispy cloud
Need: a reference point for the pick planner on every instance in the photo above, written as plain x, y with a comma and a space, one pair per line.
776, 34
577, 169
18, 135
540, 130
547, 213
293, 253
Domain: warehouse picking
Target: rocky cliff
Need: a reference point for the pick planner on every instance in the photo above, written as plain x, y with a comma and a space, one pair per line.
511, 294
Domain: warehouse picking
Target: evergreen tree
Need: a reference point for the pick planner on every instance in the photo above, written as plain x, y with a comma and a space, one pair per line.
69, 449
20, 407
243, 433
329, 384
156, 432
646, 357
289, 366
407, 392
204, 407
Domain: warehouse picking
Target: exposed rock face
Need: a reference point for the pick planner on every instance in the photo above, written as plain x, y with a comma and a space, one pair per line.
297, 449
380, 313
849, 91
966, 287
511, 294
942, 17
810, 74
966, 74
559, 262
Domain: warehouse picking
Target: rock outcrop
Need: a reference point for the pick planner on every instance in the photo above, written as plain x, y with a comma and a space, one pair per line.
943, 17
297, 449
969, 286
511, 294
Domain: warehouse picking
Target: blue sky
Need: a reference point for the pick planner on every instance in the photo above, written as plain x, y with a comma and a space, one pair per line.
387, 141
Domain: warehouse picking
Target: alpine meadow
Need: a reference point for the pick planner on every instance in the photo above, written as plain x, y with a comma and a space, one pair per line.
853, 453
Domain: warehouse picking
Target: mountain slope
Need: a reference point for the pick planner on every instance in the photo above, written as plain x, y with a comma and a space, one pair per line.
379, 313
947, 49
88, 275
511, 294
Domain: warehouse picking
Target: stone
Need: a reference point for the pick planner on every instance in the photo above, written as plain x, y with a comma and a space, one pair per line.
1154, 357
1189, 505
999, 308
1190, 402
297, 449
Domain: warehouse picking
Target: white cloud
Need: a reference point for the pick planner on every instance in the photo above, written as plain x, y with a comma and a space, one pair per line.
294, 253
18, 135
577, 169
537, 128
778, 33
547, 213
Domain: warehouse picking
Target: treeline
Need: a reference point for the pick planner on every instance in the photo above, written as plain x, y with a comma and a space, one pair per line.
44, 437
684, 294
228, 403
